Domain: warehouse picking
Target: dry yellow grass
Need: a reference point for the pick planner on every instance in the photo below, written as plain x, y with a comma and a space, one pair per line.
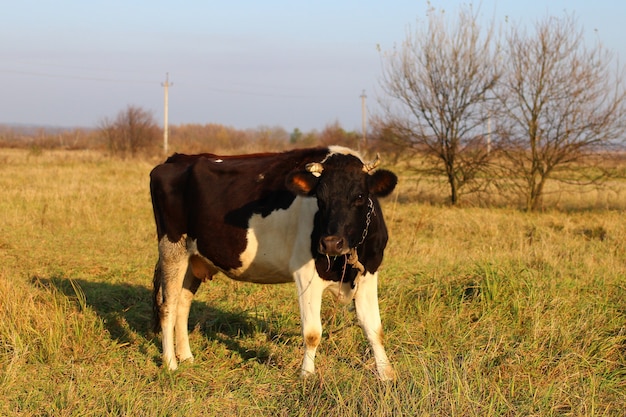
486, 311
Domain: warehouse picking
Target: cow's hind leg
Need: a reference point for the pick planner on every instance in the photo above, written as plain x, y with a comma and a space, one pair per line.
368, 313
173, 265
190, 286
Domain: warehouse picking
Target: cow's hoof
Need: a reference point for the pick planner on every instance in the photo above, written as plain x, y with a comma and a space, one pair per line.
172, 365
187, 360
304, 374
387, 374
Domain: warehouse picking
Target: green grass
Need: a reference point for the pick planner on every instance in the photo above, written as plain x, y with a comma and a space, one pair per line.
487, 312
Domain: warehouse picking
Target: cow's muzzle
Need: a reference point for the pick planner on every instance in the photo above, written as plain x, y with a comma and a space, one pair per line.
333, 246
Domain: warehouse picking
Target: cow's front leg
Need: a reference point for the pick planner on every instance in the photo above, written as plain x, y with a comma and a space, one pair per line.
310, 289
368, 313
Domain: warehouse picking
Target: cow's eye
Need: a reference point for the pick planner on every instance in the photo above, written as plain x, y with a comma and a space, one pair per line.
359, 199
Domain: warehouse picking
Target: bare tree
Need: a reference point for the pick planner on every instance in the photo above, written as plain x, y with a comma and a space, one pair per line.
134, 130
438, 85
559, 102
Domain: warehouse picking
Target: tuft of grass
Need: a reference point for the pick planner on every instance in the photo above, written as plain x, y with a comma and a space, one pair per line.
486, 311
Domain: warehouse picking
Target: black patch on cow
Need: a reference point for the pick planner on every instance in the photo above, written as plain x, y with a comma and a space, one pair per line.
335, 268
167, 188
211, 198
272, 201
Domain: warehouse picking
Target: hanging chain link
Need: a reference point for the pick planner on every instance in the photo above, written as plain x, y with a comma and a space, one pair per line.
368, 220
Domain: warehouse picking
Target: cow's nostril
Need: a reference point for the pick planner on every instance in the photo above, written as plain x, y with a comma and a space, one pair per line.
332, 245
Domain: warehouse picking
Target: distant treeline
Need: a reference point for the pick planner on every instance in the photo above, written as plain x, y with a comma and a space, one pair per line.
184, 138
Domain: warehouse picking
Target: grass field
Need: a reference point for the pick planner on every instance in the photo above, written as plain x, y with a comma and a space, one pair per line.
487, 312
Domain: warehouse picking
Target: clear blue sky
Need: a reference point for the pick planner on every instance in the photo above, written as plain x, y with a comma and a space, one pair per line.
239, 63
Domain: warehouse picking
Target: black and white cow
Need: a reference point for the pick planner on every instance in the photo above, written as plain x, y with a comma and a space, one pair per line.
309, 216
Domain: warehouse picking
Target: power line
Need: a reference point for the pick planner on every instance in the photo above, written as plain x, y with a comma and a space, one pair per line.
238, 91
251, 93
74, 77
128, 81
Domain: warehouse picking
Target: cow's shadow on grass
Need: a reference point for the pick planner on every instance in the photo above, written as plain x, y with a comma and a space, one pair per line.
126, 311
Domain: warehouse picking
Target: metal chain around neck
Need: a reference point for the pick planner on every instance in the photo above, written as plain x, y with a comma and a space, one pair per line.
368, 220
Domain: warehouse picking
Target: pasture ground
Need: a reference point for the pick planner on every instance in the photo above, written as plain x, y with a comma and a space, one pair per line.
487, 312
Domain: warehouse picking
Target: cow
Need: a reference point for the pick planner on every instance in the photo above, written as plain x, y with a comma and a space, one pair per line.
309, 216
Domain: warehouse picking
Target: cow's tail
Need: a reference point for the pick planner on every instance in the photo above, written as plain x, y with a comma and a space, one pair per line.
157, 298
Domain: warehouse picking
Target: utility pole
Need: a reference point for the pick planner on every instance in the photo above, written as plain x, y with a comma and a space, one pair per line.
166, 85
363, 119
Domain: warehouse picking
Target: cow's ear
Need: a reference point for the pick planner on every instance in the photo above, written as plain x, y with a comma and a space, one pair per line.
301, 182
382, 182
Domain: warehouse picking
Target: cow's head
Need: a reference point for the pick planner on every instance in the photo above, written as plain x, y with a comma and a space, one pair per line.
345, 188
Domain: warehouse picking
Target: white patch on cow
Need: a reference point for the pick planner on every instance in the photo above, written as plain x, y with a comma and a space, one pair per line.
278, 244
342, 150
218, 160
